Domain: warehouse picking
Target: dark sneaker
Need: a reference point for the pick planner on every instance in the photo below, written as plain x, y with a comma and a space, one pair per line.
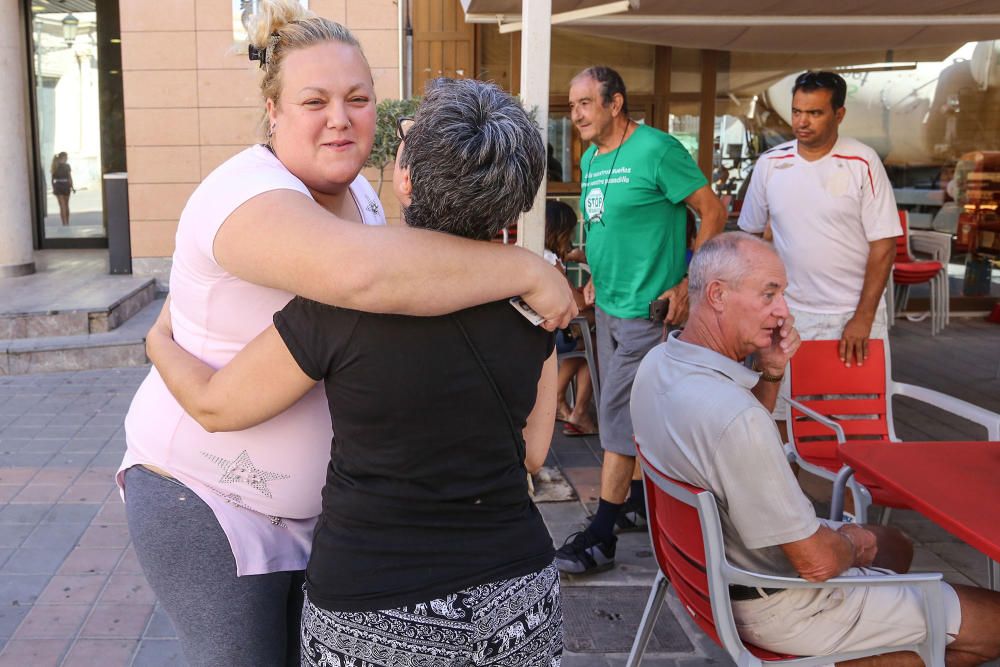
631, 518
584, 553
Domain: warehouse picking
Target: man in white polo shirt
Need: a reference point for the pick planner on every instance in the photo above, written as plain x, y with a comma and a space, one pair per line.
834, 220
702, 417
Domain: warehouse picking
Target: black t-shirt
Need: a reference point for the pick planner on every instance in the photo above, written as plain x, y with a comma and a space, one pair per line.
426, 492
60, 179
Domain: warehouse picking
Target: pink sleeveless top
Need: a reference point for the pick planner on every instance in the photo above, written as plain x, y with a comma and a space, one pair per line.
263, 483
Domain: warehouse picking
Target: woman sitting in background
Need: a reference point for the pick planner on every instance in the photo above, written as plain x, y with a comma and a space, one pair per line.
560, 224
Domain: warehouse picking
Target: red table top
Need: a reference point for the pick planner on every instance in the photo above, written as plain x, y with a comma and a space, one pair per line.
954, 484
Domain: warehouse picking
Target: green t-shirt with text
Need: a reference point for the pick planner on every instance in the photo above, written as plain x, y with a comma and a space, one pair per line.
639, 250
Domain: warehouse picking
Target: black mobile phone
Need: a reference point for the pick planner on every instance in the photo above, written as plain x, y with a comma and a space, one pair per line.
658, 310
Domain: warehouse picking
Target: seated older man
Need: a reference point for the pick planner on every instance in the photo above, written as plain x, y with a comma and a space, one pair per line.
703, 417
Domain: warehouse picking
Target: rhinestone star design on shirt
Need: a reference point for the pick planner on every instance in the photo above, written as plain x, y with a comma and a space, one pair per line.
236, 500
242, 470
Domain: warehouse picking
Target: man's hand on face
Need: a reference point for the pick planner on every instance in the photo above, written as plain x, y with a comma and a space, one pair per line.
784, 343
677, 309
854, 340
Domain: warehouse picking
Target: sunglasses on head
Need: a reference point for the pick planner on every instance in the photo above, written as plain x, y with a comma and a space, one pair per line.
403, 125
823, 79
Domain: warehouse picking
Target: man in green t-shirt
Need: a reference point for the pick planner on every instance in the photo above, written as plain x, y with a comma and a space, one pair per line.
637, 183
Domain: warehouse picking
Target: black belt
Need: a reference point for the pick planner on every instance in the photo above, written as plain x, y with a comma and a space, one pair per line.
739, 593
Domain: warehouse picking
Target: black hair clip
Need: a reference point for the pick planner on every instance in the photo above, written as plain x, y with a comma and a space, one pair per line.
258, 54
255, 53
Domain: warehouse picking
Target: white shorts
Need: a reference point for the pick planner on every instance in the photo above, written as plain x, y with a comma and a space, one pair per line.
823, 621
825, 326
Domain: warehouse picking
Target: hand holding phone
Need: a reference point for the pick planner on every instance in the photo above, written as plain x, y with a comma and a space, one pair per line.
658, 310
521, 306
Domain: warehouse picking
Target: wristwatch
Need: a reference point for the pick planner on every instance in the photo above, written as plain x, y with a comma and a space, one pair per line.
764, 375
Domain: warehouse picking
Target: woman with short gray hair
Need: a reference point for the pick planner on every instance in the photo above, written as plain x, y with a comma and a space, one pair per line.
472, 158
429, 550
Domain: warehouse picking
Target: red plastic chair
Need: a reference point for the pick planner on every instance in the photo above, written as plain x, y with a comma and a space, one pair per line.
686, 533
831, 403
907, 271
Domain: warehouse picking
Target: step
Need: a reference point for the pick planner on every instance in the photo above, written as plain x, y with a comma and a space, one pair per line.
71, 293
125, 345
72, 321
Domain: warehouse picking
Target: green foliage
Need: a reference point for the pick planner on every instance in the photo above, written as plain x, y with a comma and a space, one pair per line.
386, 140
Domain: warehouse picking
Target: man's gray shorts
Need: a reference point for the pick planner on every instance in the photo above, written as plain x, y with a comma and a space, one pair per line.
621, 345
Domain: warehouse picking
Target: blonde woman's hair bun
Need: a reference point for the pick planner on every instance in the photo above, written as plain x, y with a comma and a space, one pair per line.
271, 17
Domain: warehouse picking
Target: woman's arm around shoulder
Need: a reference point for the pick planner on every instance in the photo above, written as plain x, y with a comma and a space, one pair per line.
283, 239
260, 382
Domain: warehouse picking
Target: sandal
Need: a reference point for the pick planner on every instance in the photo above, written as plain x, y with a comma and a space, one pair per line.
571, 430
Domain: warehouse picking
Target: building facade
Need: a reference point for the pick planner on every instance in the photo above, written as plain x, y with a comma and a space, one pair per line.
164, 92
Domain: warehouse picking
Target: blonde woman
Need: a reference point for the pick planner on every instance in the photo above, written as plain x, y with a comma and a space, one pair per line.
222, 522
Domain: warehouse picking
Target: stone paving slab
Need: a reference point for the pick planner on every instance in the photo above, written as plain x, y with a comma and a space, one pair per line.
70, 589
602, 619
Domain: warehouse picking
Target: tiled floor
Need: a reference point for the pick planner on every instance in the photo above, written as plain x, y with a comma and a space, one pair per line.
71, 592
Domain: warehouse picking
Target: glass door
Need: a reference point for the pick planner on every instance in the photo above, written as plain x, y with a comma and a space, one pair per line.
67, 121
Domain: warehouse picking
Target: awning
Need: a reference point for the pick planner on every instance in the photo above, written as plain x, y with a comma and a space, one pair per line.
792, 28
776, 26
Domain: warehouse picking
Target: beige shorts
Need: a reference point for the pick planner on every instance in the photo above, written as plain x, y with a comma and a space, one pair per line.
823, 621
824, 326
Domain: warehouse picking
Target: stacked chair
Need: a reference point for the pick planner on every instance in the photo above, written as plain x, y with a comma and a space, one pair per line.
907, 271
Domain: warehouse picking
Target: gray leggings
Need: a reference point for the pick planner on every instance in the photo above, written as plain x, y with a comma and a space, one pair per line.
222, 620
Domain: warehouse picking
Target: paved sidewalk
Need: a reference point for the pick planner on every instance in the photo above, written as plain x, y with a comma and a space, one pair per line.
71, 591
72, 594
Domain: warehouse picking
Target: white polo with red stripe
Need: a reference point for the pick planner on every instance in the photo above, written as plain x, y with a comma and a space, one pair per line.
823, 215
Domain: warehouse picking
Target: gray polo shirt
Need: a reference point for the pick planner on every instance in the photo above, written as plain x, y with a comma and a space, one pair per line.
696, 420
